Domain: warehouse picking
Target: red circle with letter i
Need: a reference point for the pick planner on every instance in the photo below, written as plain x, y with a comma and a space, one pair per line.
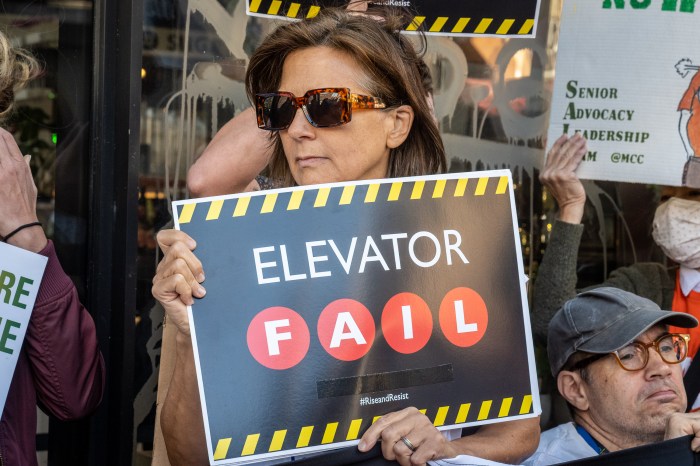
407, 323
463, 317
278, 338
346, 329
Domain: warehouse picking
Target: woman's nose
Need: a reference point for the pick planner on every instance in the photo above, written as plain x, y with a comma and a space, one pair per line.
300, 126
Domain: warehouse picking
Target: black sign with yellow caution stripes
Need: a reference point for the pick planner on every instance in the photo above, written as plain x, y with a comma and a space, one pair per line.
328, 306
501, 18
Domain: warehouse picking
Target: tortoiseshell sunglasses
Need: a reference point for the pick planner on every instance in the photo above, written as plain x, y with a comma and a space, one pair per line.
322, 108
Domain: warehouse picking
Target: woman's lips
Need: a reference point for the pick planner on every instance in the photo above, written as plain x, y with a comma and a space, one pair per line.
310, 161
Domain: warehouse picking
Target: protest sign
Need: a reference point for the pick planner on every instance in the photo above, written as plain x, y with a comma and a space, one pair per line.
20, 277
498, 18
328, 306
627, 78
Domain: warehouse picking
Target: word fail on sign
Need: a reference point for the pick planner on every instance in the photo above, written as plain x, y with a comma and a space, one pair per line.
279, 337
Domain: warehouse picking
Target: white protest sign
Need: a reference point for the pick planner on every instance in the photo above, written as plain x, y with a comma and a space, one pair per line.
20, 276
627, 78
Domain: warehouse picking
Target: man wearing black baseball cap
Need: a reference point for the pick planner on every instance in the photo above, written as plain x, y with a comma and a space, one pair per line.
621, 372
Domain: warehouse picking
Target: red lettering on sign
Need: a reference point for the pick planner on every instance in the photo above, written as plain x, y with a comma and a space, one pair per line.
407, 323
346, 329
463, 317
278, 338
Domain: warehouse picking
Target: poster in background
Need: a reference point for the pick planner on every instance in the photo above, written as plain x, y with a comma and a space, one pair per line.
20, 276
330, 305
498, 18
627, 78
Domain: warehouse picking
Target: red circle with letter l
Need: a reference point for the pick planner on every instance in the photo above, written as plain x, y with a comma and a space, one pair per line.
407, 323
463, 317
278, 338
346, 329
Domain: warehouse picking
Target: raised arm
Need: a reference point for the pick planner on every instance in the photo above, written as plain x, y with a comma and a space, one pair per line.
556, 275
181, 417
559, 177
18, 198
61, 341
175, 285
69, 372
235, 156
229, 164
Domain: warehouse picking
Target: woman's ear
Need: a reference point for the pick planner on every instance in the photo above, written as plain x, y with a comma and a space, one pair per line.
402, 122
571, 386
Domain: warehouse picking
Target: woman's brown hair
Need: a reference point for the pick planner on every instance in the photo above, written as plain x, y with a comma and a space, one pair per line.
393, 69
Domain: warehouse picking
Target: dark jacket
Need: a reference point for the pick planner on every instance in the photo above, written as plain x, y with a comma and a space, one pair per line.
556, 278
60, 366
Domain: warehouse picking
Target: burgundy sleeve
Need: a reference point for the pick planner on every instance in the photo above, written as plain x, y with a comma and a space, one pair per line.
61, 343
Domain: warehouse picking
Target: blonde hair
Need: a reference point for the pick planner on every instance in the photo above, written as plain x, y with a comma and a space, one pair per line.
393, 69
17, 68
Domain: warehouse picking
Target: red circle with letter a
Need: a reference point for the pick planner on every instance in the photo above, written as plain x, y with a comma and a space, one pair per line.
278, 338
346, 329
463, 317
407, 323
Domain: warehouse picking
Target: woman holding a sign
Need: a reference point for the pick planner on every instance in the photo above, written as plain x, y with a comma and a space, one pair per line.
341, 98
59, 363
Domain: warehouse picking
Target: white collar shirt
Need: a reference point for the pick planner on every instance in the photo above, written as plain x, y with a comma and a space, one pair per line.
690, 280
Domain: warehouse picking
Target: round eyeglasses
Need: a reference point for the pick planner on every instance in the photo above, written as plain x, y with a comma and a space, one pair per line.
672, 347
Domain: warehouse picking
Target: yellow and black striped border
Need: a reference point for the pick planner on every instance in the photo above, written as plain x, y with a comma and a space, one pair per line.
240, 207
336, 432
475, 26
444, 25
